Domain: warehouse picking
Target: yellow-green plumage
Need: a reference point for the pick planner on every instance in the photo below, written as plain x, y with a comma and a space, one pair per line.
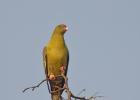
55, 55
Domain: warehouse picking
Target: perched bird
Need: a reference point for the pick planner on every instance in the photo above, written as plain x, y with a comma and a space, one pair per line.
56, 59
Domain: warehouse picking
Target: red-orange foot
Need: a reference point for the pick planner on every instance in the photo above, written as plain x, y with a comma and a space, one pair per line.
51, 76
62, 68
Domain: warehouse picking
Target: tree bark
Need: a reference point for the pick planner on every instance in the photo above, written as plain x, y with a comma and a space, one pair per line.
56, 97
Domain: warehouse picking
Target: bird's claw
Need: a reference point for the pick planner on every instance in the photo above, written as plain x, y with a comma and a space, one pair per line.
51, 76
62, 69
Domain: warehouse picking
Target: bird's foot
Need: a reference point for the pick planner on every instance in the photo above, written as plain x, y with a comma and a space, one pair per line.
51, 76
62, 69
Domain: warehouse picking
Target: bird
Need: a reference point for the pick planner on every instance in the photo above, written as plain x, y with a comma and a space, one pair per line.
56, 60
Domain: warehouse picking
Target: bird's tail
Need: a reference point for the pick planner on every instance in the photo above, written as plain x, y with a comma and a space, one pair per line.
56, 87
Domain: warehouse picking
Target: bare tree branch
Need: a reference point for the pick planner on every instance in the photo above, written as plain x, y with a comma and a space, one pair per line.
66, 88
33, 87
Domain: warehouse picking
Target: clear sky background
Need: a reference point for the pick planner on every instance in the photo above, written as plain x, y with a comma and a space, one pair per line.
103, 40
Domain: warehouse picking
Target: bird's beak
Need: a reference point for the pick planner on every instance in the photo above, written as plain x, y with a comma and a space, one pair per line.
66, 28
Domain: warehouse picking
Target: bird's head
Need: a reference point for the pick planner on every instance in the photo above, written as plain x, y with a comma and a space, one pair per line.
61, 29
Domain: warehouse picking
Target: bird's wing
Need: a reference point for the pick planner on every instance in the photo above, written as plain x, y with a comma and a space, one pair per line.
45, 61
67, 64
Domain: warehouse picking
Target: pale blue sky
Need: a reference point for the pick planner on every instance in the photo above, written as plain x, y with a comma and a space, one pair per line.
103, 40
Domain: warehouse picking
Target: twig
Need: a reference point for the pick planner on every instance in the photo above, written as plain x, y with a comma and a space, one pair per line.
66, 86
83, 90
76, 97
33, 87
83, 98
70, 94
60, 89
94, 97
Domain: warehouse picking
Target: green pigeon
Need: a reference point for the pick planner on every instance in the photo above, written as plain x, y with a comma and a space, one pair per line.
56, 59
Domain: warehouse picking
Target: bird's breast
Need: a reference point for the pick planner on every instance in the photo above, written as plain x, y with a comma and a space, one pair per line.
57, 55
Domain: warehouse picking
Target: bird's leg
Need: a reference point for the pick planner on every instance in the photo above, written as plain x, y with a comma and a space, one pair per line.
51, 76
62, 69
